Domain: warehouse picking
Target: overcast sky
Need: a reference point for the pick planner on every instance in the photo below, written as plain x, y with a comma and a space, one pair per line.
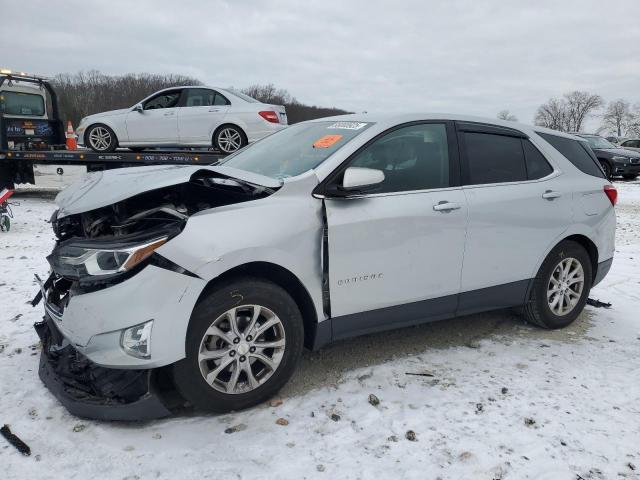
465, 56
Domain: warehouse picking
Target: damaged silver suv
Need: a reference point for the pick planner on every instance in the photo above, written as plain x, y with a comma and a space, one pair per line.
177, 285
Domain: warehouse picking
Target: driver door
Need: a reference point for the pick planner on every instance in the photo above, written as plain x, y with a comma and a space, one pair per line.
157, 123
396, 253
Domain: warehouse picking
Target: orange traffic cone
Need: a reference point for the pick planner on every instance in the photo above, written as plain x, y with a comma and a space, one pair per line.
72, 143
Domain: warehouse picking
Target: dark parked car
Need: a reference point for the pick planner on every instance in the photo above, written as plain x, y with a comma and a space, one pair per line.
615, 161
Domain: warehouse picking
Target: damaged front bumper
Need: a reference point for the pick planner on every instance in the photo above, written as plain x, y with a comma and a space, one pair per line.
90, 391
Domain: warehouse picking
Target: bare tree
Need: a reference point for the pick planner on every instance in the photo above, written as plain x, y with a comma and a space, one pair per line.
568, 113
633, 127
579, 106
552, 114
296, 111
507, 115
269, 94
618, 116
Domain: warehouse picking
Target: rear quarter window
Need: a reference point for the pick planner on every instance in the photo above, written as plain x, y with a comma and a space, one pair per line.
576, 152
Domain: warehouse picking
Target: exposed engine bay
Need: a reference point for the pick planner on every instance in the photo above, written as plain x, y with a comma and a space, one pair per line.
167, 207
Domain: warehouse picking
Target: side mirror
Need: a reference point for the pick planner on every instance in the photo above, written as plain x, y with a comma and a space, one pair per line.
356, 181
138, 108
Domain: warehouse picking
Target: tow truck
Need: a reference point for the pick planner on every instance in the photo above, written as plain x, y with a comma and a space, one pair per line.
33, 143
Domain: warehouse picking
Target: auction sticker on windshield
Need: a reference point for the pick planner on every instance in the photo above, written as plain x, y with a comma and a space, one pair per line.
327, 141
348, 125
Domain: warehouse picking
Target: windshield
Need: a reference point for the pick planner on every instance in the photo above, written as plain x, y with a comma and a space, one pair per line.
18, 103
295, 149
599, 142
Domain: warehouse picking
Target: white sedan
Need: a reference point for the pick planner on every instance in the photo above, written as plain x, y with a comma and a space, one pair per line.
183, 117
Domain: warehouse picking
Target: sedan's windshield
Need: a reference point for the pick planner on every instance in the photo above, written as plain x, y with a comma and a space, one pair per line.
599, 142
296, 149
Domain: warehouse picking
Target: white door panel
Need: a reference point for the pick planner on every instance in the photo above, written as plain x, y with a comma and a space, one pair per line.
155, 125
394, 249
510, 228
197, 124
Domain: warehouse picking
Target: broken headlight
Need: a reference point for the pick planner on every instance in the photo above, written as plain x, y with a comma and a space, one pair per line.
90, 261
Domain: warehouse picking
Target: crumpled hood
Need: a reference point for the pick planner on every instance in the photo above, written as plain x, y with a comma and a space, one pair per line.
99, 189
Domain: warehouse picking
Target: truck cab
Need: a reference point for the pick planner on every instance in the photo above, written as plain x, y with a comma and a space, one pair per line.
28, 113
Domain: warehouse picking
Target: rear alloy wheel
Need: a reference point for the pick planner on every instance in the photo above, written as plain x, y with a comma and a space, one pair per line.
561, 288
229, 139
243, 343
101, 138
607, 169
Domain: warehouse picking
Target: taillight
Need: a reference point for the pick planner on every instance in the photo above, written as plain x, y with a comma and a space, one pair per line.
269, 116
611, 193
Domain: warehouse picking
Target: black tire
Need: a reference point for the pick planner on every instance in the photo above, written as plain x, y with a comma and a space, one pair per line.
222, 145
537, 310
630, 176
607, 169
137, 149
187, 376
112, 142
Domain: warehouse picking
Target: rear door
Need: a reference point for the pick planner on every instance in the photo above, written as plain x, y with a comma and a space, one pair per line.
158, 121
518, 206
201, 111
401, 246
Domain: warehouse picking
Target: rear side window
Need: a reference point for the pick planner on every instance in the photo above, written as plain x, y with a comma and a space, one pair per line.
494, 158
537, 165
576, 153
203, 97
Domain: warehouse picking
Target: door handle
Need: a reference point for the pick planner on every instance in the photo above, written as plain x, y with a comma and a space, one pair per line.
168, 114
446, 206
214, 109
550, 195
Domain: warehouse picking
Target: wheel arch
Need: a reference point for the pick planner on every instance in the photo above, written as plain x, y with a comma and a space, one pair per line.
282, 277
591, 249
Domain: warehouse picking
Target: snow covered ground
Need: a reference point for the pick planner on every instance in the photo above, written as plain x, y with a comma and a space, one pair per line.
486, 396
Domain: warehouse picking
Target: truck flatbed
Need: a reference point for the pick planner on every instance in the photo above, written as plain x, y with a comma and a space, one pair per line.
64, 165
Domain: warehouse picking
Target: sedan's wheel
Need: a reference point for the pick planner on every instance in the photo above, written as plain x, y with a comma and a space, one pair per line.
607, 169
101, 138
560, 290
243, 343
229, 139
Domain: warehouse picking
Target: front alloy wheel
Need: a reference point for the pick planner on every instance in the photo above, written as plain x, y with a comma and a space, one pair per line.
243, 343
101, 139
242, 349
